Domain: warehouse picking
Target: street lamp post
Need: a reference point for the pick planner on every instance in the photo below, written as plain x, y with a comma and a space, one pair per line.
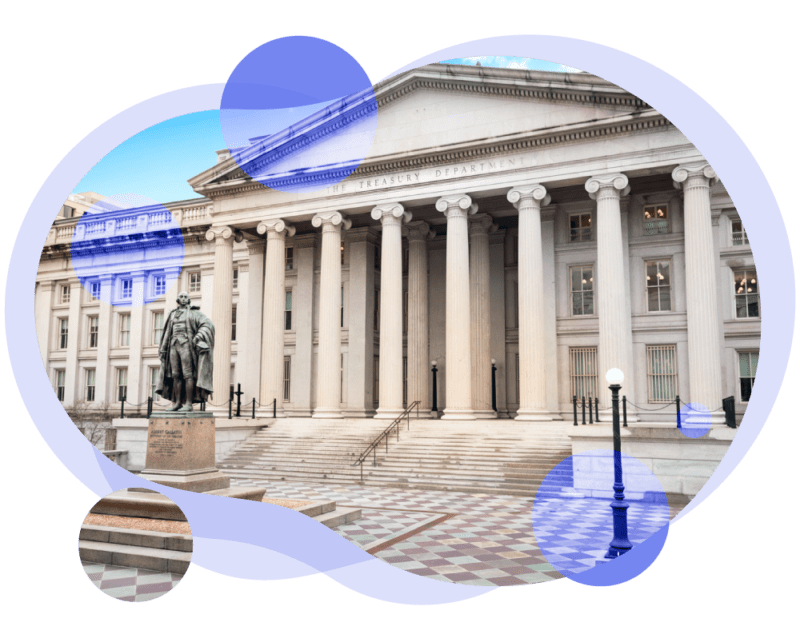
494, 385
620, 543
434, 370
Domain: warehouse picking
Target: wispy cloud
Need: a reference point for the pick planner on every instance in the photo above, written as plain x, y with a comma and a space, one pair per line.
505, 61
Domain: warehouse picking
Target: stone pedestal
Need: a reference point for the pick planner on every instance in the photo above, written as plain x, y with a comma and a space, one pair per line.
180, 452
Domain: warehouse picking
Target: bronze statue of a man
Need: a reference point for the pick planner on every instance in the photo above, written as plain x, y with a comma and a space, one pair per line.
187, 357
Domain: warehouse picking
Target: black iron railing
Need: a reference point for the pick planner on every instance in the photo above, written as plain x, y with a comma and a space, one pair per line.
384, 437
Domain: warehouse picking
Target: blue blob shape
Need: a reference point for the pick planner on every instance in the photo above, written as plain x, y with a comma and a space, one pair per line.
695, 420
298, 114
127, 250
573, 522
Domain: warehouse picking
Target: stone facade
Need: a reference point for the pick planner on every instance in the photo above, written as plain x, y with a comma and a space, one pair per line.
474, 231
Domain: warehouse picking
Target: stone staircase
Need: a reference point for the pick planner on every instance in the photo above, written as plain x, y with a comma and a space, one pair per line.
487, 456
327, 513
132, 548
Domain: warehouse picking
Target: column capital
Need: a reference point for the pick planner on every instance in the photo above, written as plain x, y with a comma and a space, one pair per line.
699, 174
391, 214
418, 230
608, 185
457, 205
275, 227
223, 233
529, 195
331, 219
482, 224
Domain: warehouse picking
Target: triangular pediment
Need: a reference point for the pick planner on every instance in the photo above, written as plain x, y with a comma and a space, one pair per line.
435, 109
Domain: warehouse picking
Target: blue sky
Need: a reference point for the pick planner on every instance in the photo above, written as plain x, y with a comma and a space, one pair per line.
158, 161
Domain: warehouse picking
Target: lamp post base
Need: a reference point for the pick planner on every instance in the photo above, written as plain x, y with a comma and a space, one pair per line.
620, 544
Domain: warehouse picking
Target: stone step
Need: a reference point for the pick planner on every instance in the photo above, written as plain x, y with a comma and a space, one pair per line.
128, 556
343, 515
136, 537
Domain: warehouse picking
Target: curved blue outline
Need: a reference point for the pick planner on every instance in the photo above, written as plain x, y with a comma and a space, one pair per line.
254, 524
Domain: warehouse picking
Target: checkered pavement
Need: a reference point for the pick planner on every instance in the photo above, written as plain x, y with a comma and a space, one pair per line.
131, 584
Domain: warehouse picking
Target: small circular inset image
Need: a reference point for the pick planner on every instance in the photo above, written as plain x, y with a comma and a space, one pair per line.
135, 545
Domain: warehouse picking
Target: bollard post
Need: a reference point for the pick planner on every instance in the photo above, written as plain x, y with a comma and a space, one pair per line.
274, 408
149, 406
591, 420
575, 411
583, 409
254, 407
230, 408
596, 409
678, 410
624, 411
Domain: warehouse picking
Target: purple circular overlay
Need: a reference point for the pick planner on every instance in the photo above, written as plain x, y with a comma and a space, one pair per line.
282, 110
572, 519
138, 256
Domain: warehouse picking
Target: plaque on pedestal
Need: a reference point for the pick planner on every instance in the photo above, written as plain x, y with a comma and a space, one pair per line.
180, 452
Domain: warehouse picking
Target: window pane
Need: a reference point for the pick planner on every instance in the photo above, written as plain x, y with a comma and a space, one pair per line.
741, 307
665, 299
588, 303
576, 278
746, 387
752, 306
744, 364
753, 363
289, 300
577, 304
652, 299
588, 279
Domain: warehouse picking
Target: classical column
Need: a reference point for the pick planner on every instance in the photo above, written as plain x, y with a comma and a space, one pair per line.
221, 309
532, 388
303, 323
458, 359
249, 346
274, 305
702, 311
610, 287
480, 225
44, 319
361, 243
136, 340
104, 324
417, 344
73, 343
330, 338
390, 365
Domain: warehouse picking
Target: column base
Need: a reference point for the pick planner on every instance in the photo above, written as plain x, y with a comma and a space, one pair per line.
387, 413
458, 414
536, 415
327, 412
485, 413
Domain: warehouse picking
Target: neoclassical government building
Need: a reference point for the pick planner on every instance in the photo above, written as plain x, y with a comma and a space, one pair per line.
552, 226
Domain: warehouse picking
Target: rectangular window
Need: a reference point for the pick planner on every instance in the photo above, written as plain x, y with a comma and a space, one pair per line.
94, 289
235, 284
582, 283
583, 372
159, 285
194, 282
745, 288
125, 330
656, 219
154, 383
659, 285
376, 380
67, 211
580, 227
662, 374
122, 384
738, 234
63, 333
289, 258
287, 379
61, 376
377, 311
287, 312
748, 362
158, 327
233, 324
93, 332
90, 385
126, 290
65, 293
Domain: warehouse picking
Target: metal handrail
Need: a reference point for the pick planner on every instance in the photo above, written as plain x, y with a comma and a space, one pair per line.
384, 435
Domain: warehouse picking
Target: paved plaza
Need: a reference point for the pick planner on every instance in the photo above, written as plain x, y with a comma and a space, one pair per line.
474, 539
131, 584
